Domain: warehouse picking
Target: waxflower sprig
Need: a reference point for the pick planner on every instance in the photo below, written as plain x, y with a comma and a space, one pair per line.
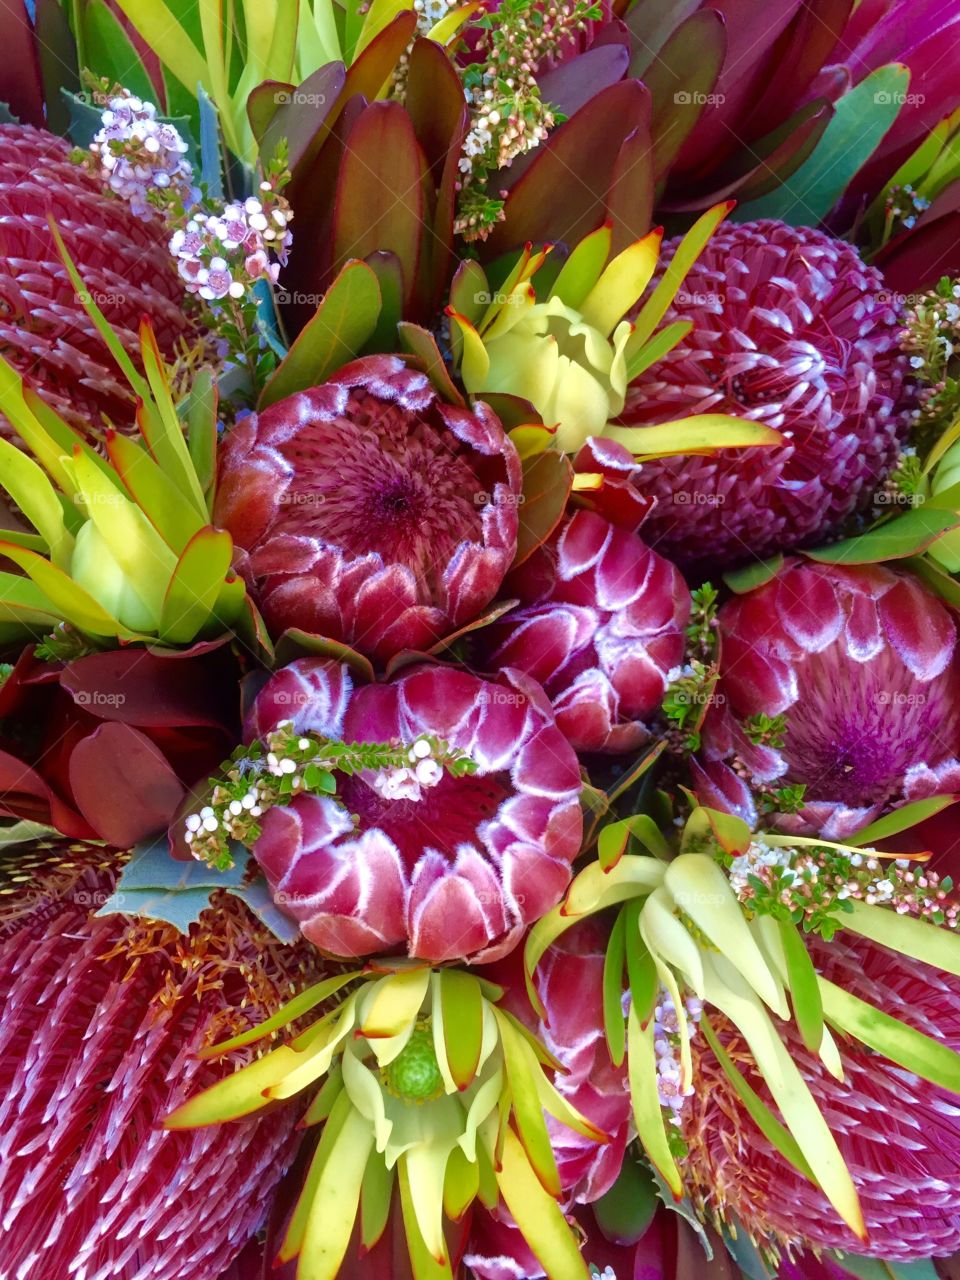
813, 883
287, 763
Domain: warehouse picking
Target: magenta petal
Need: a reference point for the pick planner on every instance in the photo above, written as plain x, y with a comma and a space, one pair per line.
122, 785
924, 638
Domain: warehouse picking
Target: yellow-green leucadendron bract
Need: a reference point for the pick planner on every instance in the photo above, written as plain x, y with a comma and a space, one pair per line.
681, 927
567, 347
424, 1081
281, 41
124, 549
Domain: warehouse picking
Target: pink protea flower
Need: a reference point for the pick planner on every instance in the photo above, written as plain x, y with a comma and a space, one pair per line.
569, 982
601, 623
100, 1023
790, 328
860, 664
44, 331
455, 869
900, 1136
370, 512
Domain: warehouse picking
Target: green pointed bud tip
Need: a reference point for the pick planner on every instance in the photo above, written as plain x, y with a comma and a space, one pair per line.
414, 1075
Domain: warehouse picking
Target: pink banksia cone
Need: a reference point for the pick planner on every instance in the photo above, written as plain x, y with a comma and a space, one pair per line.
792, 329
101, 1020
370, 512
600, 624
858, 666
123, 261
445, 867
899, 1135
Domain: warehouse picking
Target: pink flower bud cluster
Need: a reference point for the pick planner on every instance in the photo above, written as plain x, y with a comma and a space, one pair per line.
221, 255
140, 156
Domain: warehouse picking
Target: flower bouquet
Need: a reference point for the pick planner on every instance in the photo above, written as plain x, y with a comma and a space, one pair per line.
480, 627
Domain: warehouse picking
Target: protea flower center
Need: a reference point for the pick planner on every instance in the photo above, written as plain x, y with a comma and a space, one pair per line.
125, 264
414, 1075
792, 329
369, 512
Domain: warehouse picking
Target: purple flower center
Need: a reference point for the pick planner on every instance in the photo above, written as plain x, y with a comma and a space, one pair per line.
856, 728
445, 817
382, 483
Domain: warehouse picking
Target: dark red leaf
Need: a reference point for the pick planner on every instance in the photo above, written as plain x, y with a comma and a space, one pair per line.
547, 481
574, 83
680, 81
122, 785
20, 86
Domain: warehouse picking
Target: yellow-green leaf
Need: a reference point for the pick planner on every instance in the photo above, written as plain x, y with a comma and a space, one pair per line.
645, 1098
334, 1209
461, 1003
538, 1215
804, 989
700, 433
396, 1003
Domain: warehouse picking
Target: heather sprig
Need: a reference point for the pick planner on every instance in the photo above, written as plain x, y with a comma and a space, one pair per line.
690, 689
930, 338
702, 628
287, 764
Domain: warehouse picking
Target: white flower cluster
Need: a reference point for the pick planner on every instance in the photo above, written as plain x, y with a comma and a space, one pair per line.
408, 783
429, 12
139, 154
220, 255
666, 1042
757, 856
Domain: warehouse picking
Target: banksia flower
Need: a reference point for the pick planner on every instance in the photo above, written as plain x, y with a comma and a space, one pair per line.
445, 866
839, 680
600, 624
792, 330
123, 260
370, 512
101, 1023
899, 1134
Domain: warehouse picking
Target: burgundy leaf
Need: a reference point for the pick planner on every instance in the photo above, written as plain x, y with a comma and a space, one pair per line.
122, 784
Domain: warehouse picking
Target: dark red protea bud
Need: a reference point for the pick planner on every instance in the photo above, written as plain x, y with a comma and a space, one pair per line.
447, 867
791, 329
899, 1135
123, 260
601, 623
841, 679
371, 512
100, 1023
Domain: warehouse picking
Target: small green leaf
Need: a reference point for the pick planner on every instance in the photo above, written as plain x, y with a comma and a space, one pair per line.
901, 819
645, 1097
461, 1003
903, 1045
195, 585
804, 990
341, 325
613, 962
862, 117
376, 1194
753, 575
905, 535
641, 969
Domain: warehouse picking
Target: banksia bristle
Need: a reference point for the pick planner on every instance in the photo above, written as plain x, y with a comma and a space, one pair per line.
100, 1026
899, 1135
792, 329
124, 262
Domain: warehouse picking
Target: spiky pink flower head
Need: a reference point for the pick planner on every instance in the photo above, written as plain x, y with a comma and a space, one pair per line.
600, 624
860, 664
899, 1135
101, 1020
126, 267
454, 869
792, 329
371, 512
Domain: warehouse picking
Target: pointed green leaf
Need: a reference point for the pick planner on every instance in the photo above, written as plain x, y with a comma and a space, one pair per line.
583, 268
905, 535
613, 965
293, 1240
538, 1215
396, 1003
71, 602
195, 585
641, 357
33, 493
341, 325
902, 818
461, 1003
932, 944
756, 1108
162, 428
641, 968
804, 989
376, 1193
333, 1212
685, 255
527, 1109
904, 1045
174, 518
645, 1097
423, 1264
622, 283
285, 1015
460, 1185
700, 433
